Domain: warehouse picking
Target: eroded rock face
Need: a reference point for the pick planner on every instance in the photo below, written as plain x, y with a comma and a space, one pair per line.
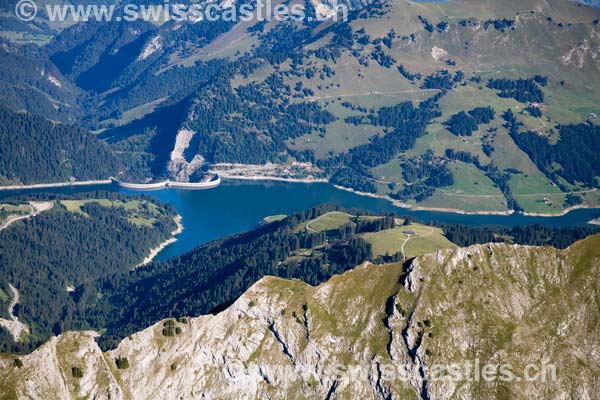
179, 168
352, 336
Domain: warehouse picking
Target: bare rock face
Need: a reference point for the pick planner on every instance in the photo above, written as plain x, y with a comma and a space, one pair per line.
180, 169
375, 332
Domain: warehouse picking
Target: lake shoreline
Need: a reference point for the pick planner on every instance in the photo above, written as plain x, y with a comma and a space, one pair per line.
411, 207
563, 212
238, 206
57, 185
125, 185
402, 205
394, 202
156, 250
268, 178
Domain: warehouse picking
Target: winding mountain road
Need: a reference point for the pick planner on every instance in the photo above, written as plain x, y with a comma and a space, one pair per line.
36, 208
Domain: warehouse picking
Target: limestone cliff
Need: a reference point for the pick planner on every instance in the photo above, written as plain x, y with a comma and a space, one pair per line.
352, 336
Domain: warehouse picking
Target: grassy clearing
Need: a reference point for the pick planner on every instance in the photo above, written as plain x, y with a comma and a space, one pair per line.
389, 172
508, 155
536, 204
591, 198
417, 240
15, 209
466, 203
9, 210
353, 79
229, 45
332, 220
135, 113
472, 191
141, 213
24, 38
525, 184
465, 98
339, 137
75, 205
470, 180
438, 139
328, 221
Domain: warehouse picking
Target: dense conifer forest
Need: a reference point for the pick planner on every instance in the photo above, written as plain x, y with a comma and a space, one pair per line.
576, 152
465, 123
57, 249
35, 150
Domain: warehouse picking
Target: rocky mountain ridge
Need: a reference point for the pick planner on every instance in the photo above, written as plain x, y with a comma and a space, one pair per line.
346, 338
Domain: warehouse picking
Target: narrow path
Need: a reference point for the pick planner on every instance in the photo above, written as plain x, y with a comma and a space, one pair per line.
308, 228
9, 221
15, 301
414, 237
542, 126
36, 208
13, 325
369, 93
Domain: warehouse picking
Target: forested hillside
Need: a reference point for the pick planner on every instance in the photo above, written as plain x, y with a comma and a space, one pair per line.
30, 81
213, 275
36, 150
81, 239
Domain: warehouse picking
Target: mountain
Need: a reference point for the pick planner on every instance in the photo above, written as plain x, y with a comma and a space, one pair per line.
31, 82
498, 304
404, 100
324, 96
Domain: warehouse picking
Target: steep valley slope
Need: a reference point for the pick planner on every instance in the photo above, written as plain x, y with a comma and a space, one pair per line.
495, 304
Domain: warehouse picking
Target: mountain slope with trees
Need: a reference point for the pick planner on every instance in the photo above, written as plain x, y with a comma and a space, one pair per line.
323, 94
80, 240
36, 150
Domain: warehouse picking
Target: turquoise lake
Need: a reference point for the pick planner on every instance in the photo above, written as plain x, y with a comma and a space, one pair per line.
238, 206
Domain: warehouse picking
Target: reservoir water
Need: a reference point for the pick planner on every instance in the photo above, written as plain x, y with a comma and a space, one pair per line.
237, 206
